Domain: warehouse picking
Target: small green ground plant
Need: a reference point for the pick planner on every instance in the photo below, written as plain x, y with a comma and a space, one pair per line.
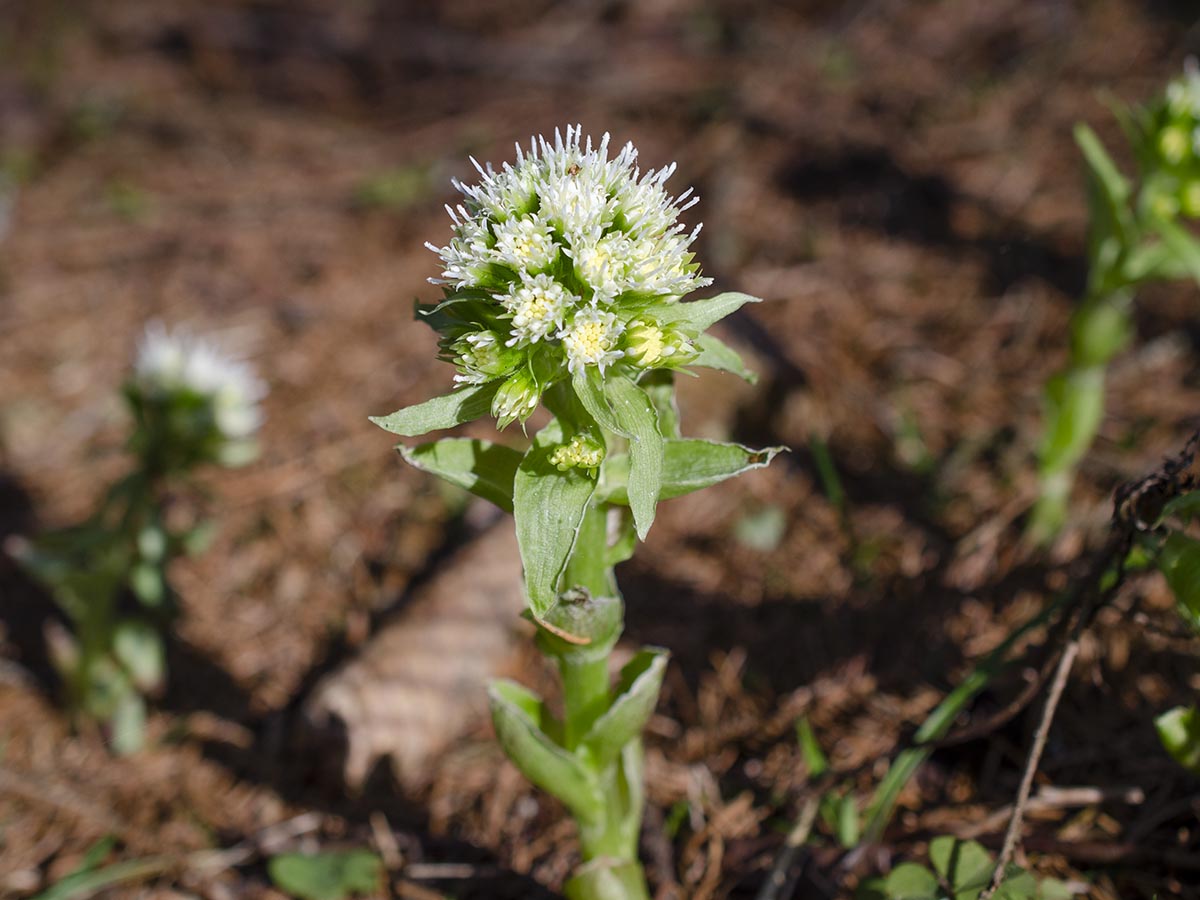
191, 405
563, 288
1137, 233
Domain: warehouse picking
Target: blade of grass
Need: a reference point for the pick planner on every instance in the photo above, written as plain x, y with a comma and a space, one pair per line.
937, 725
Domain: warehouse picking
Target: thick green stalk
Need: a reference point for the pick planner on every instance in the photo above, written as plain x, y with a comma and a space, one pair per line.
609, 838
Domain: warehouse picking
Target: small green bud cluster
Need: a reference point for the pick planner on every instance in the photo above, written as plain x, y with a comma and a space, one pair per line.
581, 452
557, 266
1171, 147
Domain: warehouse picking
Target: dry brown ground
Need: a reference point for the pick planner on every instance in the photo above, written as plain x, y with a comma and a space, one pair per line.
896, 178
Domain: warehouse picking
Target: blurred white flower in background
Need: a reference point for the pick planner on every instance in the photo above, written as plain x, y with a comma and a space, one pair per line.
178, 364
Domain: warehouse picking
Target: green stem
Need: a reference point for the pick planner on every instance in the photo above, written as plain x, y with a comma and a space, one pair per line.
1074, 403
609, 837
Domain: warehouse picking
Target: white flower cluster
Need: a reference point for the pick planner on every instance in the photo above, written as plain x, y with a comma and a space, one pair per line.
170, 364
568, 242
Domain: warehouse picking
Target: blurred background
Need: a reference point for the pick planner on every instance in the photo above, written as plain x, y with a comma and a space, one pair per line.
897, 179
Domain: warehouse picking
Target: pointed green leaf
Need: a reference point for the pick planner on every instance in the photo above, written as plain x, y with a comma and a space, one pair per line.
698, 315
659, 385
463, 405
716, 354
689, 465
1179, 731
515, 715
549, 506
589, 388
639, 423
1074, 407
481, 467
626, 718
815, 759
1179, 561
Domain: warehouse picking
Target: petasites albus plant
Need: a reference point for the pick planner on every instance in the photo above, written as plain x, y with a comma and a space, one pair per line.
564, 286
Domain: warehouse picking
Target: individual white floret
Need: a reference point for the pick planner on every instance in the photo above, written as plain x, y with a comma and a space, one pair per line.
538, 306
591, 339
525, 244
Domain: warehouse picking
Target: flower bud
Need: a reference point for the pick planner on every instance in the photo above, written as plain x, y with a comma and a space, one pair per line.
1173, 144
581, 452
648, 345
517, 399
482, 357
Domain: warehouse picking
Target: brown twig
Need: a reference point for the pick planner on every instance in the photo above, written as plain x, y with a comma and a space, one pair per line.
1138, 505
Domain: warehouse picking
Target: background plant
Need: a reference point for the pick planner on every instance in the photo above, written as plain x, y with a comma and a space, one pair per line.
190, 405
563, 286
1137, 232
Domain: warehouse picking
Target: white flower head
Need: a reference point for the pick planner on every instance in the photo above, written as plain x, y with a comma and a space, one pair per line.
538, 306
1183, 94
569, 194
525, 244
591, 339
175, 363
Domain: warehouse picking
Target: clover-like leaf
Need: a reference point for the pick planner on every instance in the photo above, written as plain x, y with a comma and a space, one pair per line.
637, 693
446, 411
910, 881
516, 714
331, 875
481, 467
965, 865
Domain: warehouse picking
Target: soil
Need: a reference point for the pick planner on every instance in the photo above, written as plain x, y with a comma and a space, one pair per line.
897, 179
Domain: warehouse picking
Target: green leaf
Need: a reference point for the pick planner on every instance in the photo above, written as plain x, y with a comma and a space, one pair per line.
332, 875
146, 580
549, 506
909, 881
1182, 245
639, 423
1185, 506
90, 878
446, 411
517, 714
810, 748
659, 385
1179, 731
1111, 223
637, 693
847, 822
481, 467
128, 723
716, 354
1179, 561
590, 389
1074, 409
138, 647
700, 314
965, 865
